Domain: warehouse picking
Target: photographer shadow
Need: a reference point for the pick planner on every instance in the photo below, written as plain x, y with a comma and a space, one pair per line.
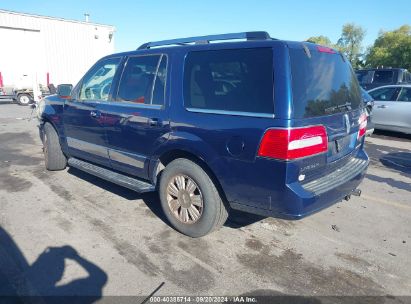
40, 280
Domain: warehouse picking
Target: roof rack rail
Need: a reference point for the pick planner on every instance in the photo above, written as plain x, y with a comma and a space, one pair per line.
207, 39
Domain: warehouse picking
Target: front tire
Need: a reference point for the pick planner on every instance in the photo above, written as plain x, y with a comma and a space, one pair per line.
24, 99
190, 199
53, 155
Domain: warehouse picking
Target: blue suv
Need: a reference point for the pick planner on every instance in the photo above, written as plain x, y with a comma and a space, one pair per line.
266, 126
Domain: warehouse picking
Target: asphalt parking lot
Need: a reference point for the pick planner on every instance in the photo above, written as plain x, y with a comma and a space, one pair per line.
68, 232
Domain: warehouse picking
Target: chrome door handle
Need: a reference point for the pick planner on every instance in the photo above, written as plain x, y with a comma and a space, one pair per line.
382, 107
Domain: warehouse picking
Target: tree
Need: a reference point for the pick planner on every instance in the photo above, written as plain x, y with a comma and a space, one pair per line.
391, 49
321, 40
350, 43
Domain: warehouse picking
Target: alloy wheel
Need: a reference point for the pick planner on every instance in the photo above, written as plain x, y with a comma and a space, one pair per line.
185, 199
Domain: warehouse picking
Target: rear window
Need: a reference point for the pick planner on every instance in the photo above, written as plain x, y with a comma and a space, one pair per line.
362, 76
323, 84
383, 77
230, 80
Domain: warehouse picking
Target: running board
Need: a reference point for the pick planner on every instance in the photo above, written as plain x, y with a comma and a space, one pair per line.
114, 177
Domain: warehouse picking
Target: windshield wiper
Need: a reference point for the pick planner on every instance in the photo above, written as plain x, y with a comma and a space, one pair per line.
346, 105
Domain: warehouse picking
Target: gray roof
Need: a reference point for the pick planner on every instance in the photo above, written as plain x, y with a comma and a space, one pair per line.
53, 18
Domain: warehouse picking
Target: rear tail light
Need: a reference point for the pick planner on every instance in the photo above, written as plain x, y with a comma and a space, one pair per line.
288, 144
362, 121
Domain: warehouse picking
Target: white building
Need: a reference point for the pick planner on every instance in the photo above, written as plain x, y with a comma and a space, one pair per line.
49, 50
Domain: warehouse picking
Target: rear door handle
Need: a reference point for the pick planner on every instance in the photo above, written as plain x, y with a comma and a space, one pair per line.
382, 107
95, 114
153, 122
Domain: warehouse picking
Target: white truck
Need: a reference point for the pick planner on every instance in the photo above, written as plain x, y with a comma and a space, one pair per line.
26, 91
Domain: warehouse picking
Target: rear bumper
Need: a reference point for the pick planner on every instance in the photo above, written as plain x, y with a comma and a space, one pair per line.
324, 192
298, 200
336, 179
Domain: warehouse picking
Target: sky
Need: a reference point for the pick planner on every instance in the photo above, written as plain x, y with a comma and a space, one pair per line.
141, 21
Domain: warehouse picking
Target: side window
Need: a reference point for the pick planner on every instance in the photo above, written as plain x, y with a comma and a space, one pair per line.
230, 80
143, 80
96, 83
160, 82
384, 94
405, 95
383, 77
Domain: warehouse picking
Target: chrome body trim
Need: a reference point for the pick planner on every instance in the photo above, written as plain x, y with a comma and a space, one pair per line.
233, 113
134, 160
131, 159
347, 123
87, 147
129, 104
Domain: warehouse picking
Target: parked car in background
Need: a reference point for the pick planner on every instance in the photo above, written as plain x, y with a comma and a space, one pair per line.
369, 105
392, 108
373, 78
250, 125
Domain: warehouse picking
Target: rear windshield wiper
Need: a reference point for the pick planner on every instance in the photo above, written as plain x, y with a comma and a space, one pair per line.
346, 106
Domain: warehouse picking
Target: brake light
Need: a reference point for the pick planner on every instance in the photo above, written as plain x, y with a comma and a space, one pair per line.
324, 49
288, 144
362, 121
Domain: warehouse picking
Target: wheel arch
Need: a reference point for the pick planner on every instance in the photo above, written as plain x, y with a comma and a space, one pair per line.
172, 154
25, 93
43, 122
49, 119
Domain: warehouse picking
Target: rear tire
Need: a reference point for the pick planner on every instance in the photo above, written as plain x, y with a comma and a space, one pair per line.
53, 155
190, 199
24, 99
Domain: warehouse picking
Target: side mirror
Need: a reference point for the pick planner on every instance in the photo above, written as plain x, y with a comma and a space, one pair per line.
64, 90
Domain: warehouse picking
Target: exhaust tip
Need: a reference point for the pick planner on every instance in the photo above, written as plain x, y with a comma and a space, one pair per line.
356, 192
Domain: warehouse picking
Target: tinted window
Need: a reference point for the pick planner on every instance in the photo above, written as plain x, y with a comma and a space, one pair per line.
383, 76
230, 80
384, 94
96, 83
362, 76
405, 95
323, 84
140, 79
160, 82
